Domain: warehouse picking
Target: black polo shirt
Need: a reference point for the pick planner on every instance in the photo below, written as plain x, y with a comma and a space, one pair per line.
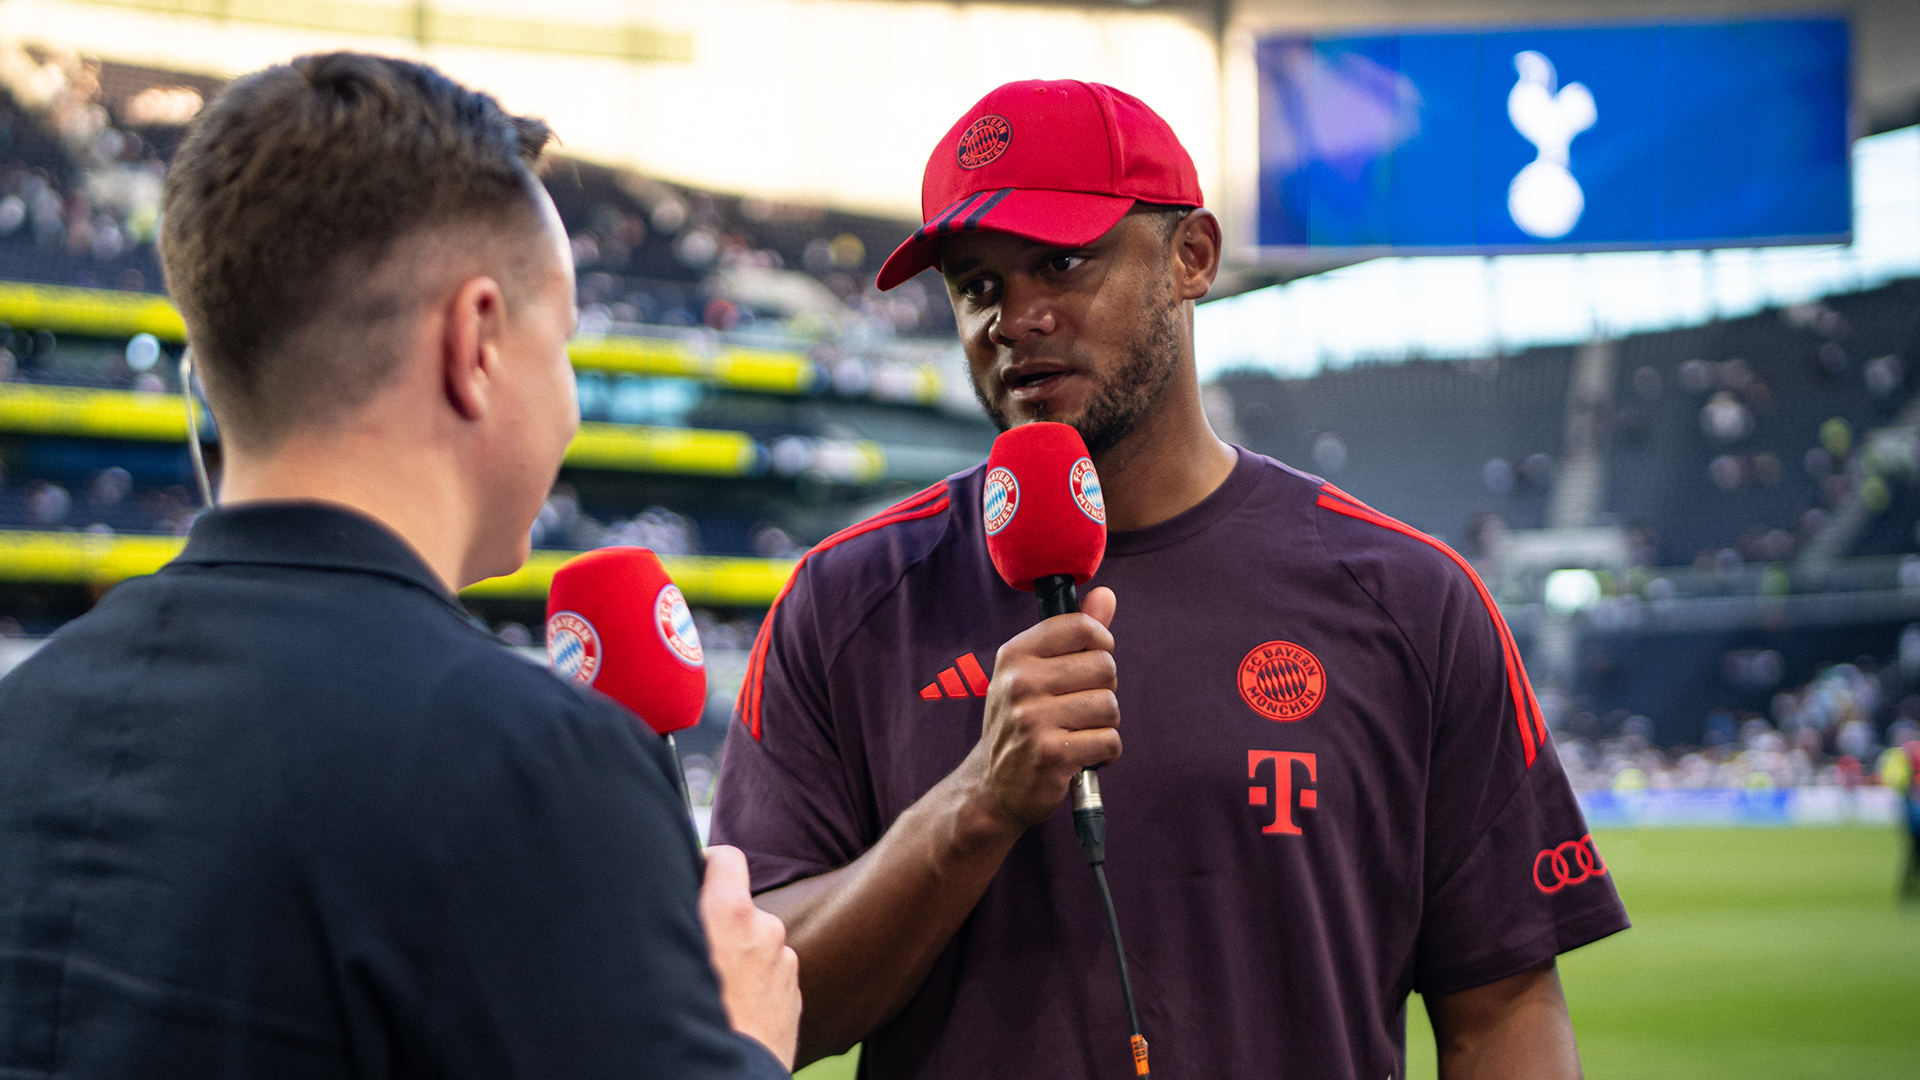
281, 810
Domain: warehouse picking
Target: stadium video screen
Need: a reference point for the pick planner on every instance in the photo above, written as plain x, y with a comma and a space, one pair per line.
1702, 134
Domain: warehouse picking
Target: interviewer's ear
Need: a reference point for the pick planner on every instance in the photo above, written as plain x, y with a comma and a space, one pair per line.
470, 345
1196, 253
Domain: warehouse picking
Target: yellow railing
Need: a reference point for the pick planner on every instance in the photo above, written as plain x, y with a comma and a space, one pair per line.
125, 414
739, 367
113, 314
99, 414
101, 312
686, 451
77, 558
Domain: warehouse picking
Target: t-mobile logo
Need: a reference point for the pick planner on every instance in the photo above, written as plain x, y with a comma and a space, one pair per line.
1278, 792
1544, 199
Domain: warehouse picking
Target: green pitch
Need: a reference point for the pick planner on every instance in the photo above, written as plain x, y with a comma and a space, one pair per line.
1775, 953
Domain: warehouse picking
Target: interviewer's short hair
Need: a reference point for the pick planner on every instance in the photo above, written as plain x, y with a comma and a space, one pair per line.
295, 183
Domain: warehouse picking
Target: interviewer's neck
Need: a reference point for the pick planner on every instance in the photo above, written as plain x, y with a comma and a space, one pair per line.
406, 480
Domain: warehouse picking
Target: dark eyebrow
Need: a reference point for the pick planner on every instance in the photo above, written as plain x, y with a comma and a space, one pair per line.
958, 266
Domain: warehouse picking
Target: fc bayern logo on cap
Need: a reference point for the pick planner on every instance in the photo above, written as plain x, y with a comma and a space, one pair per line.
1000, 500
573, 647
675, 621
984, 140
1086, 490
1282, 681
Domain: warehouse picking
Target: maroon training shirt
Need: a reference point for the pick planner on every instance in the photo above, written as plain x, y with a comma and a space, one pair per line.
1336, 787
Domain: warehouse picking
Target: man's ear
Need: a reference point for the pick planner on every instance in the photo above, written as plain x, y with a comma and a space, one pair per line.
470, 345
1196, 253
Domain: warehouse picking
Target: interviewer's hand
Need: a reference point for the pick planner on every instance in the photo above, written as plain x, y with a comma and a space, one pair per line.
759, 974
1051, 711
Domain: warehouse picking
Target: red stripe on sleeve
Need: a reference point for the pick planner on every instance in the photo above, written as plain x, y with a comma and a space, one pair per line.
924, 504
1533, 726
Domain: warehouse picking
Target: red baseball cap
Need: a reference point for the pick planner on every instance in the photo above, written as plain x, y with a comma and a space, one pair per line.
1058, 162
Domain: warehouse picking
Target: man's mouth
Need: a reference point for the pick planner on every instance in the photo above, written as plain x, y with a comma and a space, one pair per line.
1033, 379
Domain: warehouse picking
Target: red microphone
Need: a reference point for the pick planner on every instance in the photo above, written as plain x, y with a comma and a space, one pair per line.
617, 623
1046, 532
1046, 523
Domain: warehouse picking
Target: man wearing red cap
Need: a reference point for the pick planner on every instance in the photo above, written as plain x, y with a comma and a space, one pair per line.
1337, 790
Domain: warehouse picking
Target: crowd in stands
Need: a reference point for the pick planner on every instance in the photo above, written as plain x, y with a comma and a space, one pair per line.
1725, 445
1822, 733
83, 152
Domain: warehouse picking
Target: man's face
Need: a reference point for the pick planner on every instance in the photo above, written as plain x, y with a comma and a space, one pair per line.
1085, 336
539, 409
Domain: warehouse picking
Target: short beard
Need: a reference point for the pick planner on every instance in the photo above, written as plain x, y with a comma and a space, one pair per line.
1120, 400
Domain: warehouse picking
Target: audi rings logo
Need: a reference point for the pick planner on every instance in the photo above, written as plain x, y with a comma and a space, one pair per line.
1567, 864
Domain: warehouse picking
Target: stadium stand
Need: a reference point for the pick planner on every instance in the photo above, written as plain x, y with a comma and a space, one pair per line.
744, 391
1764, 464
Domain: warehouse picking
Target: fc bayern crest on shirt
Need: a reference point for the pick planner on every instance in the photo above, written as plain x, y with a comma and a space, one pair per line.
999, 499
1282, 681
674, 619
573, 647
1086, 490
984, 140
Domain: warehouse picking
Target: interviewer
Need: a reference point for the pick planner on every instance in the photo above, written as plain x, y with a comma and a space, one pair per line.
281, 810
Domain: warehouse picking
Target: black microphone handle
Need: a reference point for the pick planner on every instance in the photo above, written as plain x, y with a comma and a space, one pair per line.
679, 773
1057, 597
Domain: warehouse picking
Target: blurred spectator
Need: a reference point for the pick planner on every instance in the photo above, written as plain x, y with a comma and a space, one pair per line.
1725, 418
48, 505
110, 487
658, 529
772, 542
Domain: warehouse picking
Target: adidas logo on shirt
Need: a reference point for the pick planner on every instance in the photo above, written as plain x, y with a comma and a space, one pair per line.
964, 679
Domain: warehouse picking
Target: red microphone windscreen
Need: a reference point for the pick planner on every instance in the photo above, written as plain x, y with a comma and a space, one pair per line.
616, 622
1042, 505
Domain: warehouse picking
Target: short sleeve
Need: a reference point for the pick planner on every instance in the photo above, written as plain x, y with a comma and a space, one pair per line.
1513, 878
571, 944
787, 796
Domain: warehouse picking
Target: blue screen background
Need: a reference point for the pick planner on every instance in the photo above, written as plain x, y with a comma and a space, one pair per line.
1707, 134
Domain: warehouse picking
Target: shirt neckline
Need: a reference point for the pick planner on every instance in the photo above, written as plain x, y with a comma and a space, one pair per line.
307, 534
1222, 501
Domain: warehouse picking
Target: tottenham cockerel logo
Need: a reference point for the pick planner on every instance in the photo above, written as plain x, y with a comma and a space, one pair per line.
1282, 681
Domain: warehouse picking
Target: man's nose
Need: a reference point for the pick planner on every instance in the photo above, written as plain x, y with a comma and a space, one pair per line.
1025, 309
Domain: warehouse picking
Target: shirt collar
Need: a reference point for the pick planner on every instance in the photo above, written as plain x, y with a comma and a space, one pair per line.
1223, 500
311, 534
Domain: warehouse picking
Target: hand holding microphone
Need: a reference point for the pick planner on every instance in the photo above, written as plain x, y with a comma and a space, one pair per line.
1051, 711
1046, 528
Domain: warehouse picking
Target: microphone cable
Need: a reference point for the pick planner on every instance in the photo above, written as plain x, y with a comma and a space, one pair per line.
1058, 597
193, 428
